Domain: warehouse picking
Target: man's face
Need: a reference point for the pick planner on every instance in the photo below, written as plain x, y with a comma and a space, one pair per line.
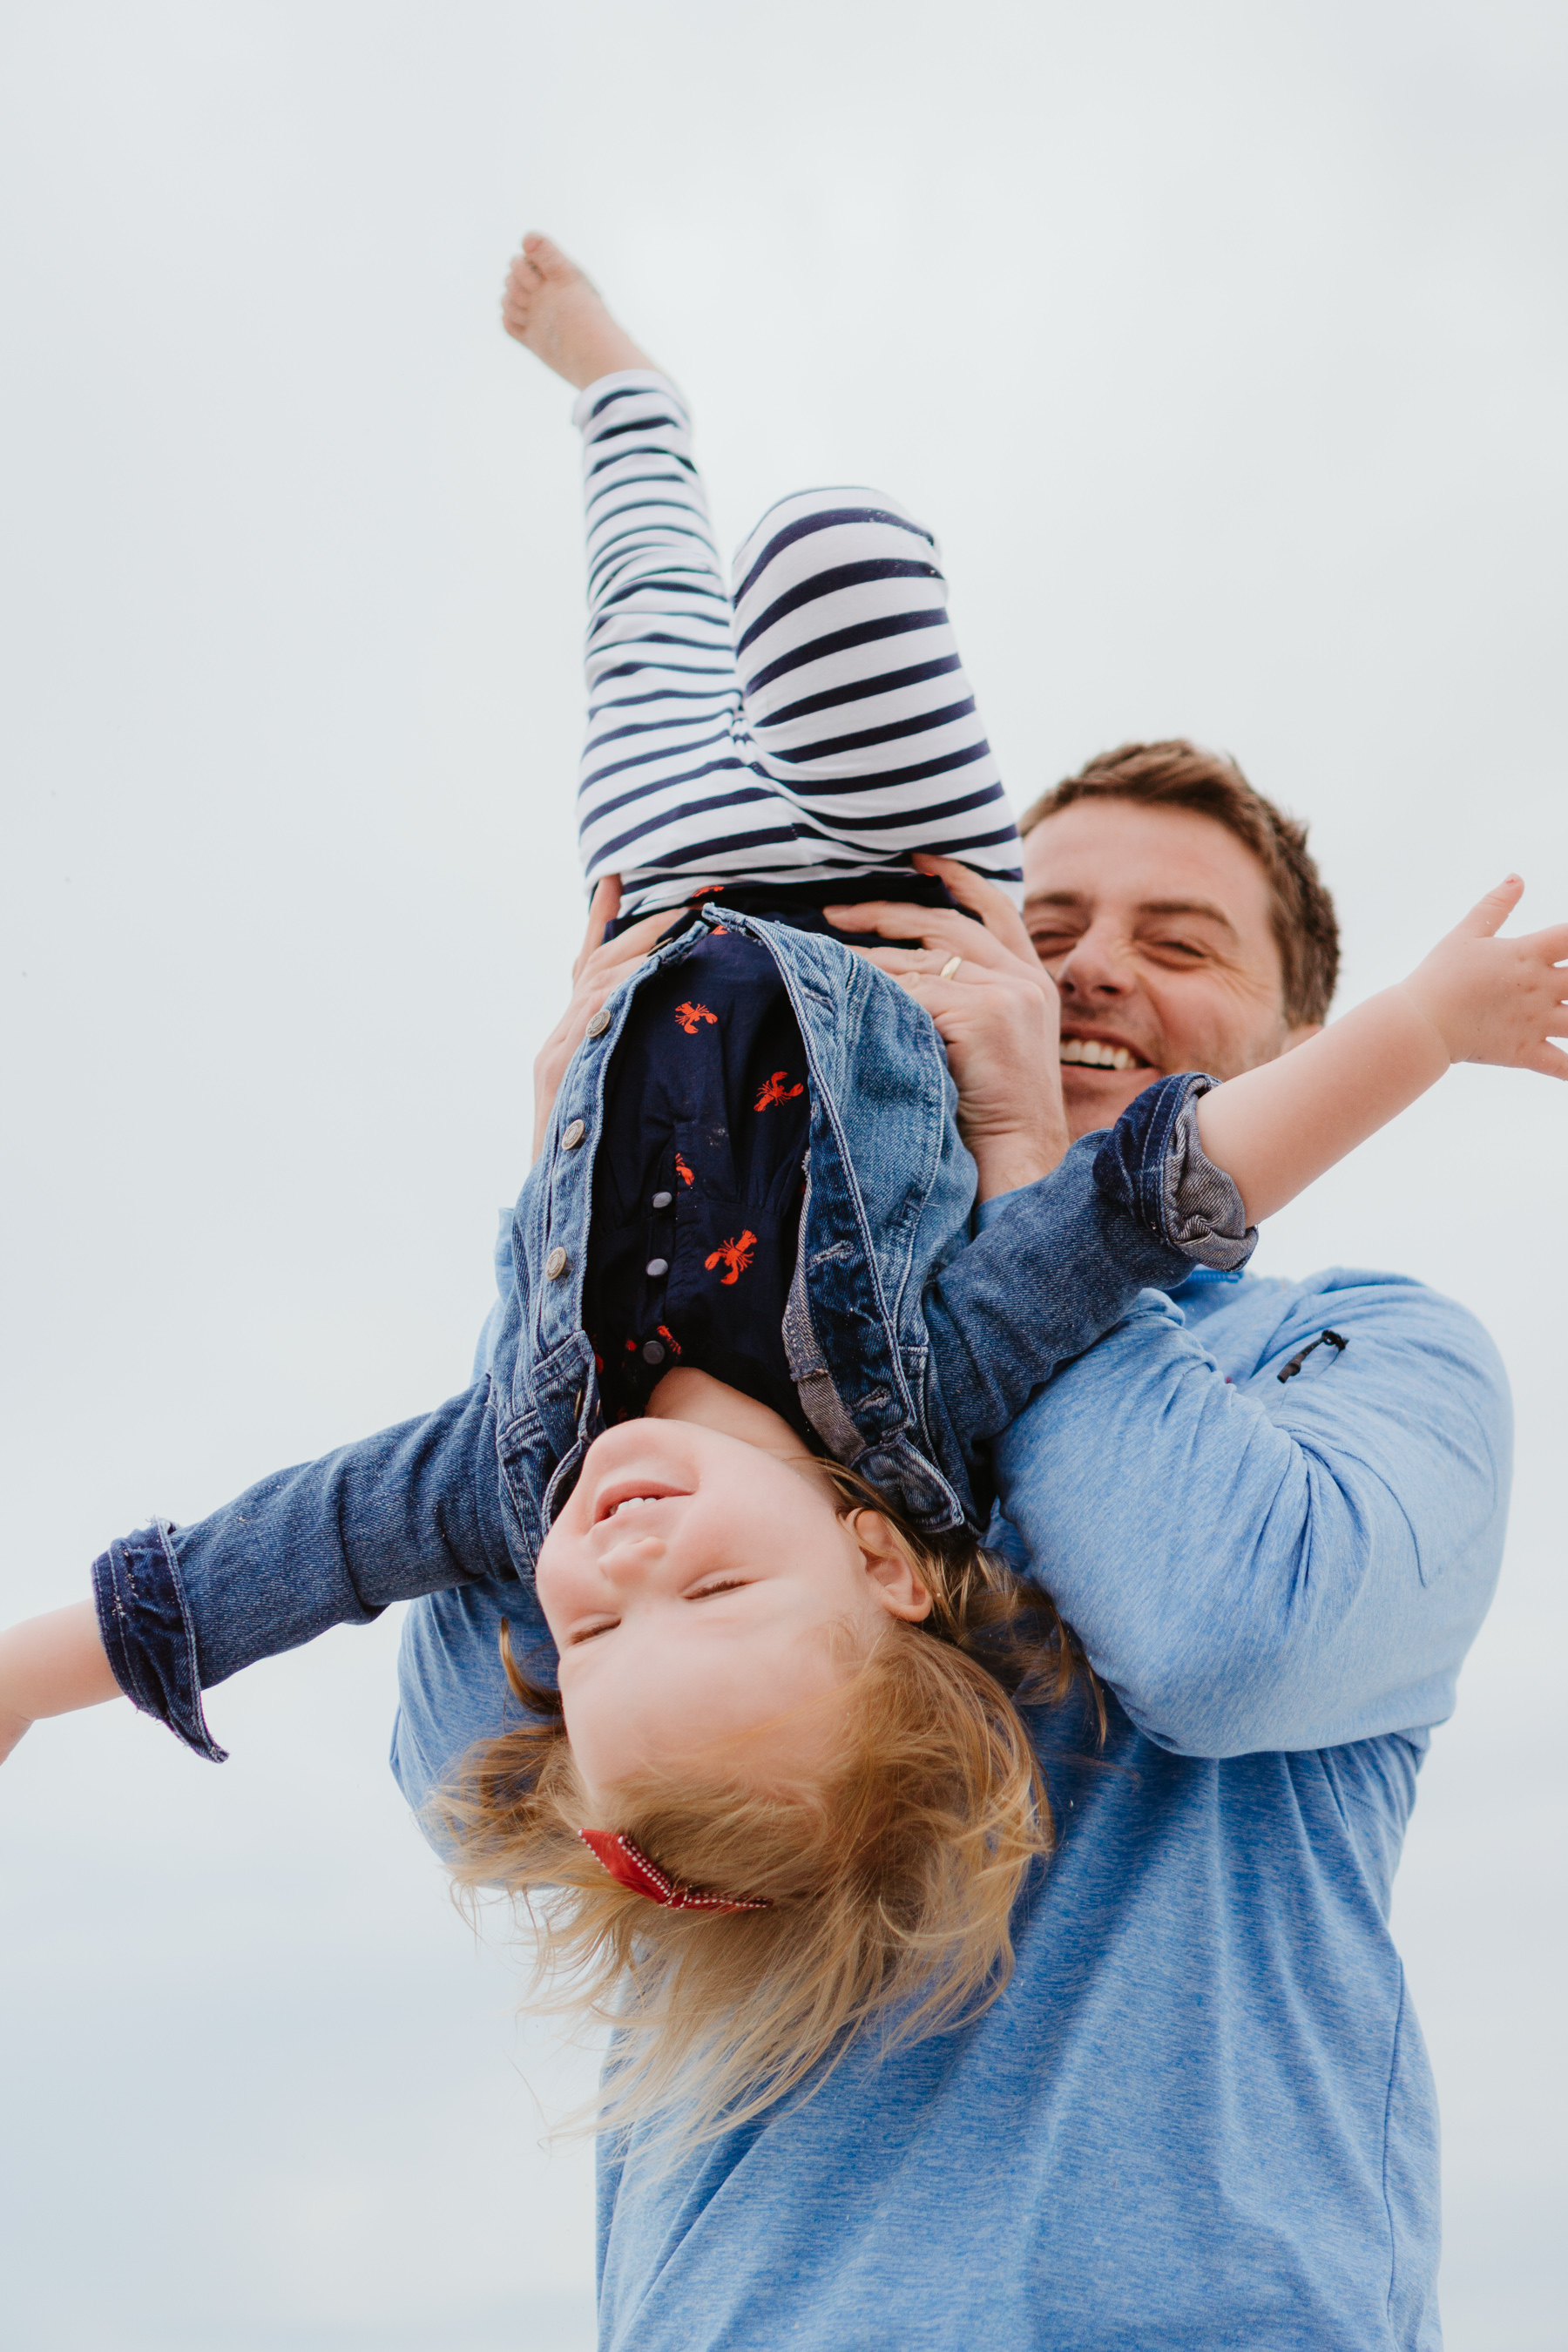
1156, 924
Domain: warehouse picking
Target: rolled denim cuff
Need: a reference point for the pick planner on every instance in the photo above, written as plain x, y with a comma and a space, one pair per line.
1153, 1164
148, 1635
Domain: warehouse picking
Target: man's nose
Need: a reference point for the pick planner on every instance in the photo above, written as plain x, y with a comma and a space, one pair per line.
1097, 965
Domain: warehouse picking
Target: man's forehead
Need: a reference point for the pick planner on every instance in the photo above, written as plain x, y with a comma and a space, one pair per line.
1145, 861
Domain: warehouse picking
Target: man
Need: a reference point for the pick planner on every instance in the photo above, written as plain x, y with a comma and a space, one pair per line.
1200, 2113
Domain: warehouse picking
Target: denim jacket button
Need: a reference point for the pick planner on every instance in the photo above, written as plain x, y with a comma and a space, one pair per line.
555, 1265
599, 1023
573, 1135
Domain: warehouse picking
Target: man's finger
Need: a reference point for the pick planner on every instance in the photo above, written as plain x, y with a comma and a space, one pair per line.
941, 931
602, 908
990, 902
629, 947
931, 962
941, 997
897, 917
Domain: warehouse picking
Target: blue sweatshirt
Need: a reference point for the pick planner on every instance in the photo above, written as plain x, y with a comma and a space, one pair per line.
1201, 2115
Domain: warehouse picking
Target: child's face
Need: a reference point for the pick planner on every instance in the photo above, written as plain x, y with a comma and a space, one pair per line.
693, 1584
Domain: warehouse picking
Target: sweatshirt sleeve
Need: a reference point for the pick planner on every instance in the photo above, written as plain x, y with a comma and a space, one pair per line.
414, 1509
1291, 1547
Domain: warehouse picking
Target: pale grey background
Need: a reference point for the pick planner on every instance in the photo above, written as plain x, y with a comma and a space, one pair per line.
1224, 346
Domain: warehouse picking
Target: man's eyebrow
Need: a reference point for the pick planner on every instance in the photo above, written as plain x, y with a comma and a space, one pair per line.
1204, 907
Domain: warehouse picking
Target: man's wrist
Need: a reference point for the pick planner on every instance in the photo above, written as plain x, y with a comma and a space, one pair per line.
1006, 1162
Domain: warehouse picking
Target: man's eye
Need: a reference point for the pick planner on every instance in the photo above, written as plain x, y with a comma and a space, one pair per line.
1189, 949
1052, 943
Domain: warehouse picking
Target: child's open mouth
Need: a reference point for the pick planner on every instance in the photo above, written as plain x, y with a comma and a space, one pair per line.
620, 1495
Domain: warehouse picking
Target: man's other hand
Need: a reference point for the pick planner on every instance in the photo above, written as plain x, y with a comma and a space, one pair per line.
602, 964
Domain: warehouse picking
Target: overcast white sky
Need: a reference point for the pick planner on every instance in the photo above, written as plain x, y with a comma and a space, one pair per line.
1225, 347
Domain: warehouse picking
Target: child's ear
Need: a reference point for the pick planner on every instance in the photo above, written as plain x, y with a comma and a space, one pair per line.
889, 1567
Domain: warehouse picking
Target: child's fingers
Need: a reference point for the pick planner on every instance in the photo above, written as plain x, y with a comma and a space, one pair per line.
1551, 1061
1489, 914
1548, 946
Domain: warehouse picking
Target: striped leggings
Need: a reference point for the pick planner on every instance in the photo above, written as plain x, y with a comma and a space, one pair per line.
818, 722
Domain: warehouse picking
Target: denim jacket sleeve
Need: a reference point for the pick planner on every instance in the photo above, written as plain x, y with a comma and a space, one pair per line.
414, 1510
1058, 1262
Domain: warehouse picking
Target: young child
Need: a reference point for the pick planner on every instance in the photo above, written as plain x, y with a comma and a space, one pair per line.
727, 1461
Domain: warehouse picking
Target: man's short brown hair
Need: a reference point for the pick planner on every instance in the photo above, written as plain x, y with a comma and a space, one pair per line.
1180, 774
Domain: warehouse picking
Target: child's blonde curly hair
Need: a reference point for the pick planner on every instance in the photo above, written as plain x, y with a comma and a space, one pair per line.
888, 1882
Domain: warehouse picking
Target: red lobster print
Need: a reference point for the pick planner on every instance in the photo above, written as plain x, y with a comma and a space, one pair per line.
734, 1256
689, 1015
775, 1091
683, 1172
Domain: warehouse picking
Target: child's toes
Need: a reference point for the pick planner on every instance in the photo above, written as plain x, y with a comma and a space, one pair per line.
522, 279
547, 258
518, 295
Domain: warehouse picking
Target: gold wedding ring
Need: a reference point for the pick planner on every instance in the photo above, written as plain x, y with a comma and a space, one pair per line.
949, 967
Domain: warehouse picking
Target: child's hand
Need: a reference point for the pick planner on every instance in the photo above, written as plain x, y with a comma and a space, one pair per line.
1492, 999
51, 1666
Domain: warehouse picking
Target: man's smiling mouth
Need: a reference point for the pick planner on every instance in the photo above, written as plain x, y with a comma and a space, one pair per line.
1101, 1054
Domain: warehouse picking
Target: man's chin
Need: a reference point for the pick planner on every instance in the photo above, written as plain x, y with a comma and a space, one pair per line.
1096, 1098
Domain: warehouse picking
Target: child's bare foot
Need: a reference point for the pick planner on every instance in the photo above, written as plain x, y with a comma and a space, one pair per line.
551, 309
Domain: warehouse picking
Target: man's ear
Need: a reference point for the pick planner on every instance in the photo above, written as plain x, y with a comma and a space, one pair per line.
889, 1567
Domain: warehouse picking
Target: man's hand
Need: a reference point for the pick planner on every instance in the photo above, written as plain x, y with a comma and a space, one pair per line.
995, 1011
601, 966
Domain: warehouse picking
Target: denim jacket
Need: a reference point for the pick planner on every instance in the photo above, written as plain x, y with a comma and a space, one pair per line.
913, 1342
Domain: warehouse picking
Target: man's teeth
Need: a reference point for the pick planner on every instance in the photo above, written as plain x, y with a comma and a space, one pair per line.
1099, 1056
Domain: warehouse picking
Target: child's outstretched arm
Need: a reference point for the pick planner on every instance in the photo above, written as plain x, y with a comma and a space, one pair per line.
51, 1666
1476, 998
417, 1508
